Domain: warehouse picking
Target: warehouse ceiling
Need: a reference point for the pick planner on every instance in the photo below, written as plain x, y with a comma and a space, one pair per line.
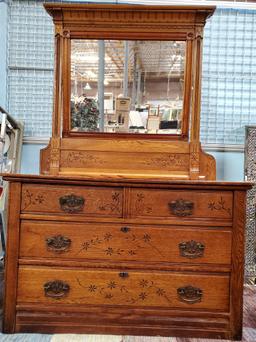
153, 59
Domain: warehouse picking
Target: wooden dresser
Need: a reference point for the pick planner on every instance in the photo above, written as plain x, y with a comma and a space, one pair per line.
126, 232
125, 257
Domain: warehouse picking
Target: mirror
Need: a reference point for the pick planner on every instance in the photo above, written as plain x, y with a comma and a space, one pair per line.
125, 86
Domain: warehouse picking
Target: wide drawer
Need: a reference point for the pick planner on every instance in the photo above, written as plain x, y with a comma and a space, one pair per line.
72, 200
112, 287
117, 242
181, 204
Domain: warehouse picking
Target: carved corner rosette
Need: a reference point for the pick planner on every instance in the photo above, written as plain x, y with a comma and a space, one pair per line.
181, 207
58, 244
189, 294
60, 32
71, 203
56, 289
191, 249
190, 35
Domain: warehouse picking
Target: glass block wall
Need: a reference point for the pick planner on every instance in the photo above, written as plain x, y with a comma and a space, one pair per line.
228, 84
30, 72
229, 76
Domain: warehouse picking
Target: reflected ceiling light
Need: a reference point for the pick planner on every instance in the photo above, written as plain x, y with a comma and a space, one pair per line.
87, 86
106, 82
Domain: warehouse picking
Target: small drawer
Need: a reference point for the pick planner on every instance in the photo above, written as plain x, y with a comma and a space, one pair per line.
115, 242
120, 288
72, 200
181, 204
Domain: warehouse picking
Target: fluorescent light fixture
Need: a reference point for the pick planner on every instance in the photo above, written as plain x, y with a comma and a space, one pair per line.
87, 86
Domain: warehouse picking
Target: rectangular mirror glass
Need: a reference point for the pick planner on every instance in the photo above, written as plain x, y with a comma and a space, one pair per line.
127, 86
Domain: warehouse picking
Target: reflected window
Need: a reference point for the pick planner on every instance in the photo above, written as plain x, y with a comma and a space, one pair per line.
140, 90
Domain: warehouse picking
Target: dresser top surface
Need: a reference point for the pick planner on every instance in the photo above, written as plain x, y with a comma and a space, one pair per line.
104, 180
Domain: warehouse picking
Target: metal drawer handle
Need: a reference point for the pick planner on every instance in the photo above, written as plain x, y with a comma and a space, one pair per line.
191, 249
124, 274
58, 243
125, 229
71, 203
181, 207
56, 289
189, 294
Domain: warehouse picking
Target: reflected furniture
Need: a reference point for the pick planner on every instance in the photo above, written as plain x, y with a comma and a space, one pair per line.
125, 233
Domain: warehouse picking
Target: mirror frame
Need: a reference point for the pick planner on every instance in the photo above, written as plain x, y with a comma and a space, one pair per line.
128, 22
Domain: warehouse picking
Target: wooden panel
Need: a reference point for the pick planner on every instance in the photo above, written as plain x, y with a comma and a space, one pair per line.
237, 275
182, 204
97, 201
123, 243
11, 258
124, 145
144, 289
118, 161
145, 321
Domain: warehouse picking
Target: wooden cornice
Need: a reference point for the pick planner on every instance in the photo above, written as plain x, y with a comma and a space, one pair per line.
97, 14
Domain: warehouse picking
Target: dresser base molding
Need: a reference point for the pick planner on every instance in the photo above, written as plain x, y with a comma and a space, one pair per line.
124, 257
112, 320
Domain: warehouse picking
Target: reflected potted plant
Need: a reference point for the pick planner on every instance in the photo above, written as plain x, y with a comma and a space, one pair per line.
84, 114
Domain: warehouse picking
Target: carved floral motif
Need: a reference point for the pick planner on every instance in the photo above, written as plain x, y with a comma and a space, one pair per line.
220, 206
140, 206
114, 206
80, 159
32, 199
146, 290
170, 161
130, 239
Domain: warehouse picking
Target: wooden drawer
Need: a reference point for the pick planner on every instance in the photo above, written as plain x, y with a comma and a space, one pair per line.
112, 287
181, 204
71, 200
117, 242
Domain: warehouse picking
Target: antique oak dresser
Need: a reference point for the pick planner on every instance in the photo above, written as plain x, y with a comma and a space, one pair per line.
125, 230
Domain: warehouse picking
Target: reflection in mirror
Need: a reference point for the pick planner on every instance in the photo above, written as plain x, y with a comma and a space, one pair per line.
127, 86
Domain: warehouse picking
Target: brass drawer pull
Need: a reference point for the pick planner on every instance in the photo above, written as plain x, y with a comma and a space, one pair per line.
124, 274
189, 294
56, 289
125, 229
191, 249
58, 243
181, 207
71, 203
